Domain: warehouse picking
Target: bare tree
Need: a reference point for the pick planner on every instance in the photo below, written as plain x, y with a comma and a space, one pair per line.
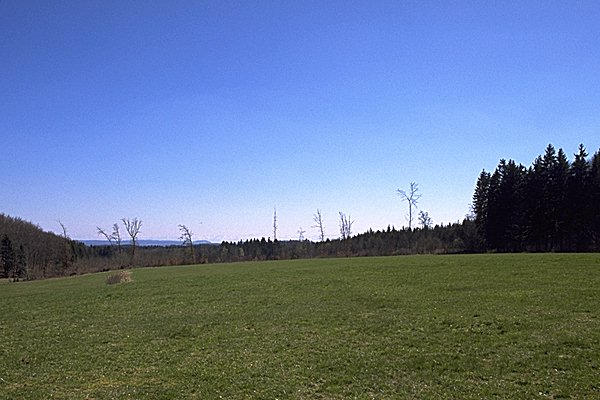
133, 228
116, 235
274, 224
64, 230
345, 226
412, 198
186, 237
425, 219
102, 232
67, 247
301, 233
319, 225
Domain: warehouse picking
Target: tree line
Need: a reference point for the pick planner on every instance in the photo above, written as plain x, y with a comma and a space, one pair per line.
27, 252
553, 205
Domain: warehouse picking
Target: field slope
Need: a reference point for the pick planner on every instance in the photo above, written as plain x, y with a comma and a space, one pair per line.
481, 326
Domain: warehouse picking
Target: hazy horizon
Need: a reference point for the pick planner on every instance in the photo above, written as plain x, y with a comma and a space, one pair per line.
212, 114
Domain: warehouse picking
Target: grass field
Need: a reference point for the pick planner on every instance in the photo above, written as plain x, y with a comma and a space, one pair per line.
481, 326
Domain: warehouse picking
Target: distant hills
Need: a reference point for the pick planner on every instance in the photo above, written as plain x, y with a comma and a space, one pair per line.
146, 242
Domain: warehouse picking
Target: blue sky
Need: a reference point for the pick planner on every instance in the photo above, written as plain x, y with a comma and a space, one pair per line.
212, 113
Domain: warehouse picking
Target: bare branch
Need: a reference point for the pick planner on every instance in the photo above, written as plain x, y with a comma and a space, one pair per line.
108, 237
64, 230
319, 225
186, 237
412, 198
116, 235
345, 226
425, 220
133, 229
186, 234
301, 233
274, 223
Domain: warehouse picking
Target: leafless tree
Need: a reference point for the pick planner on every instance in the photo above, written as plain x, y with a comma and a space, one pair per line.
102, 232
345, 226
116, 235
319, 225
301, 233
274, 223
64, 230
133, 228
67, 246
186, 237
412, 198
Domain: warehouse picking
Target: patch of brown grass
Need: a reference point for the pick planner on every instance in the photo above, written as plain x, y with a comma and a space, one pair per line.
119, 277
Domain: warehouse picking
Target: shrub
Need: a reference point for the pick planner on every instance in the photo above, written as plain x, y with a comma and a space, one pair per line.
119, 277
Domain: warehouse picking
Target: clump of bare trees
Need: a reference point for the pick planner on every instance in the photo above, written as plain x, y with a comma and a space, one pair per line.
345, 226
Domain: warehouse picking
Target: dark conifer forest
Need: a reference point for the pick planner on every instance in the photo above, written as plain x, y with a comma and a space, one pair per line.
553, 205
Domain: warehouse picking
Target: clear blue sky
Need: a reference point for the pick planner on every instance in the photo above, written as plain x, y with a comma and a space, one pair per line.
210, 113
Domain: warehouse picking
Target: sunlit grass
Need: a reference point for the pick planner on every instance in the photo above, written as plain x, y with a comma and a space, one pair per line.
481, 326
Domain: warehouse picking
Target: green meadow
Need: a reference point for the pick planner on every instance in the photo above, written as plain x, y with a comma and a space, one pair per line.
473, 326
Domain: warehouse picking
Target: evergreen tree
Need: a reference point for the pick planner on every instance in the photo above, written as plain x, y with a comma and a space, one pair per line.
534, 223
594, 204
494, 225
7, 256
505, 207
480, 205
579, 200
559, 198
549, 201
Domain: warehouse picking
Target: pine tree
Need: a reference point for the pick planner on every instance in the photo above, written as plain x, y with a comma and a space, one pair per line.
577, 210
594, 204
550, 200
480, 204
561, 201
534, 215
494, 224
505, 207
511, 192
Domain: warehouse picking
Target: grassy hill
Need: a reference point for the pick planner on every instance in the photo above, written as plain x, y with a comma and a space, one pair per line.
478, 326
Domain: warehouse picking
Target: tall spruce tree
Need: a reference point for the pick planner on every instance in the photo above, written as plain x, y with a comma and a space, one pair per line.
494, 224
533, 219
560, 199
505, 207
550, 203
594, 204
480, 206
578, 204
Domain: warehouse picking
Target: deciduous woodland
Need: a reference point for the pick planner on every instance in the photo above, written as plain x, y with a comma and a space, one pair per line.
552, 205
